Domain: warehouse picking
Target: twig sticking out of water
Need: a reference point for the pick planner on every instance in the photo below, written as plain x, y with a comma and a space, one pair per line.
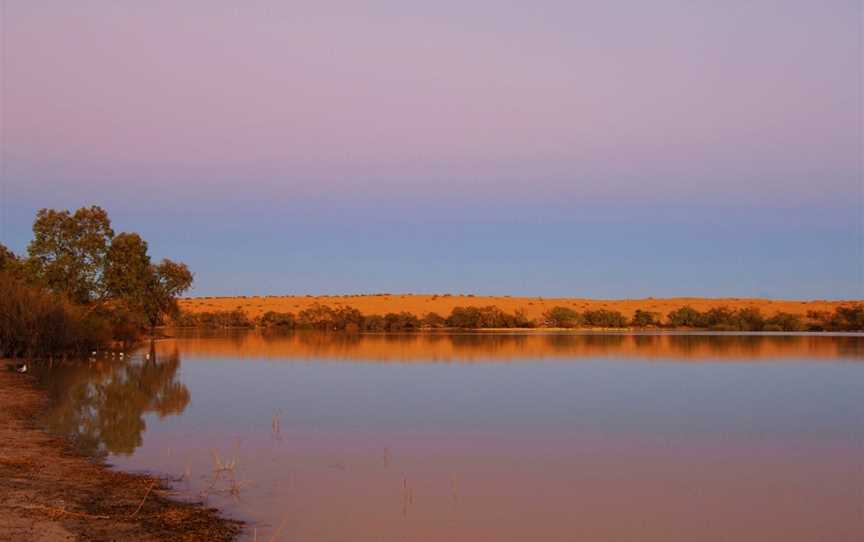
407, 496
135, 513
279, 530
220, 466
275, 425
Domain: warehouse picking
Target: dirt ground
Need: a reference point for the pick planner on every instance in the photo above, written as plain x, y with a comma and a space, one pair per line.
534, 307
50, 493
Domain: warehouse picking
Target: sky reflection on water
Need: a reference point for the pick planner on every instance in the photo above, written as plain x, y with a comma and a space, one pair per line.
497, 437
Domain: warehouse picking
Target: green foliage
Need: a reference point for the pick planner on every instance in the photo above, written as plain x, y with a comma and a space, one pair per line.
849, 318
68, 251
214, 319
81, 286
166, 282
844, 318
316, 317
403, 321
686, 316
485, 317
374, 323
128, 271
464, 317
604, 318
272, 319
562, 317
8, 259
645, 319
433, 320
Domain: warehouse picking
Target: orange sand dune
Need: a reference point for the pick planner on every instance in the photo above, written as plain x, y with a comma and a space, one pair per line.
533, 306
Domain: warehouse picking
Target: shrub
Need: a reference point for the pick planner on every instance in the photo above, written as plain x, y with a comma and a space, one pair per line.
284, 320
686, 316
433, 320
645, 319
562, 317
604, 318
403, 321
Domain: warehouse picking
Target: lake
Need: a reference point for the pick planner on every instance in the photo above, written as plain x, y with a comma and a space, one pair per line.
497, 437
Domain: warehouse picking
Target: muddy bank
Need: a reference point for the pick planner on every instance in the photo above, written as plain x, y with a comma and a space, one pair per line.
49, 492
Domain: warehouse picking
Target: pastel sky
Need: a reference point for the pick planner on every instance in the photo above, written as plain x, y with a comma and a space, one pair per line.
559, 148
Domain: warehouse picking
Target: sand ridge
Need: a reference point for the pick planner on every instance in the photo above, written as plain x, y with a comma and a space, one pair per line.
534, 307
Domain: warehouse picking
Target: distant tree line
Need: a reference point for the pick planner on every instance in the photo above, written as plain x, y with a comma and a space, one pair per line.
321, 317
81, 287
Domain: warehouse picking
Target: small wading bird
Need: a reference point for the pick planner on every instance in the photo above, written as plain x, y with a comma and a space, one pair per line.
21, 368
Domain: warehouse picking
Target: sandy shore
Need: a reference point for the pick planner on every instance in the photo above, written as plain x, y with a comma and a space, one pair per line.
48, 492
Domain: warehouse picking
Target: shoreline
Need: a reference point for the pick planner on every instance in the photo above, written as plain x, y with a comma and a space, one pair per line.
50, 492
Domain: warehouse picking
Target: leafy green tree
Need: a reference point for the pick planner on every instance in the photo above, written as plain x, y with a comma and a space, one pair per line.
143, 288
68, 251
167, 281
128, 271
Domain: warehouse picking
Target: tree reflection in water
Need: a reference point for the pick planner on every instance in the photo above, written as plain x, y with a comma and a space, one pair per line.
100, 405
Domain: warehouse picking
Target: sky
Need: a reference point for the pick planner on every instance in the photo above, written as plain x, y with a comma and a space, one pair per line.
602, 148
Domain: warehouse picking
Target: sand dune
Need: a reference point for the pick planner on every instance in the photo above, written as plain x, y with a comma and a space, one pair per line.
421, 304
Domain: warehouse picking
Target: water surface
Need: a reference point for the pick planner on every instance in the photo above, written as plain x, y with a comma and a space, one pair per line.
491, 437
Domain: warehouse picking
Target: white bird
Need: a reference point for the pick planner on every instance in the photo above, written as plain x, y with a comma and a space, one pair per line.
121, 354
93, 353
148, 356
22, 368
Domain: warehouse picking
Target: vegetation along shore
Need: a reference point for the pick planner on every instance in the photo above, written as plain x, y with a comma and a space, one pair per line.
81, 288
407, 312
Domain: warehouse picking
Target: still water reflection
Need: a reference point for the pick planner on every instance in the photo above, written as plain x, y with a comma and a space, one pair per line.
491, 437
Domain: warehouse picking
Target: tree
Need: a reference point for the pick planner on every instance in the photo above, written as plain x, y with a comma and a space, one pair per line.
166, 282
141, 287
7, 257
128, 272
68, 251
10, 263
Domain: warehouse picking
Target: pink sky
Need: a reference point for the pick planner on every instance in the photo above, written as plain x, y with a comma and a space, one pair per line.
464, 109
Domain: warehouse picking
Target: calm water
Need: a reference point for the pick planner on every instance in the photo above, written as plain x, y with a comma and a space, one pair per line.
491, 437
